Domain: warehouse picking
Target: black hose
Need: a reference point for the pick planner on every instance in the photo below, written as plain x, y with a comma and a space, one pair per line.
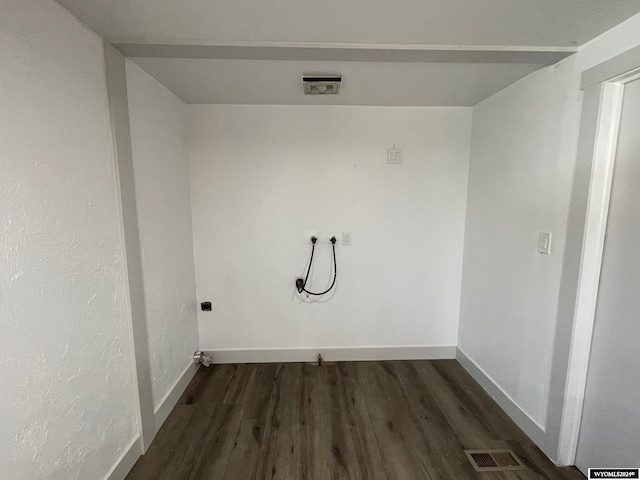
301, 288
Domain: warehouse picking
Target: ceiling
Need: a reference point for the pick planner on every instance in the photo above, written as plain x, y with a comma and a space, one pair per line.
554, 23
413, 52
273, 82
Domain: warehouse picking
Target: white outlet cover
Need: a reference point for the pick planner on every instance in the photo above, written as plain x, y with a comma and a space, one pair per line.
394, 155
544, 243
346, 238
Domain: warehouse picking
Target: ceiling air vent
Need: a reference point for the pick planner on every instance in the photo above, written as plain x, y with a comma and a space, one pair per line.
494, 460
321, 84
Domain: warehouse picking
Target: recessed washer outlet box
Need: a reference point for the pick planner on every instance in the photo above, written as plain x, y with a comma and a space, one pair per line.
322, 84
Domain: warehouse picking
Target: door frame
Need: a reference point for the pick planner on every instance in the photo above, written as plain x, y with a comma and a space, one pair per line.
603, 92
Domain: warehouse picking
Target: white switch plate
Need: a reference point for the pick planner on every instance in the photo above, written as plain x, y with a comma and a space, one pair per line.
544, 243
346, 238
394, 155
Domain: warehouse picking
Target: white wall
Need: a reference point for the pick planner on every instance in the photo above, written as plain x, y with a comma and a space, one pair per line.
68, 396
519, 184
523, 152
262, 176
161, 172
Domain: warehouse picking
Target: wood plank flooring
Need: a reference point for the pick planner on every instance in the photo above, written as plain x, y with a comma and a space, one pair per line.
406, 420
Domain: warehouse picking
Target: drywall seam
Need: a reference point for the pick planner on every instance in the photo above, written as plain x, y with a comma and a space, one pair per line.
332, 354
173, 395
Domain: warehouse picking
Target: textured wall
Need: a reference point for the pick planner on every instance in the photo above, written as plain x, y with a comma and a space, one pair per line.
67, 404
161, 173
263, 175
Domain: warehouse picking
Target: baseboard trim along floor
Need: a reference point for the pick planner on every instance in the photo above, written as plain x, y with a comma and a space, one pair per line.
173, 395
534, 430
127, 460
333, 354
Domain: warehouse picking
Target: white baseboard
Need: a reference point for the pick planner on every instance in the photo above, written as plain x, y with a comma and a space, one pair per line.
126, 461
533, 429
133, 451
333, 354
169, 401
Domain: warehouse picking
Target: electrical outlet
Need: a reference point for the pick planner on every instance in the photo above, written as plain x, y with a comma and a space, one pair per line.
394, 155
346, 238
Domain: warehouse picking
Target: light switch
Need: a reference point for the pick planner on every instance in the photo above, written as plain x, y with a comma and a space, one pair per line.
544, 243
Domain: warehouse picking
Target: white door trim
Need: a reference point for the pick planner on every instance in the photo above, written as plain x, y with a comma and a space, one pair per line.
589, 277
602, 142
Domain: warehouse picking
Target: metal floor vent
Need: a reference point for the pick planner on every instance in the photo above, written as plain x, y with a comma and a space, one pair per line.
494, 460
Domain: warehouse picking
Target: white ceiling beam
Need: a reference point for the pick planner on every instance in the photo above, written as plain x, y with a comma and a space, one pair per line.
352, 52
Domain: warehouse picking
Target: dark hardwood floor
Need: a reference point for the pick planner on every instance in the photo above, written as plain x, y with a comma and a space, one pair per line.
405, 420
